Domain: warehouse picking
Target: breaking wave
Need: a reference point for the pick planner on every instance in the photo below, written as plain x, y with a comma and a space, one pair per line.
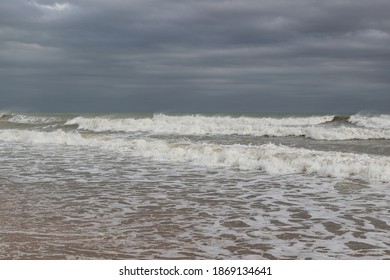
309, 127
270, 158
340, 119
371, 121
37, 137
31, 119
195, 124
273, 159
345, 133
5, 116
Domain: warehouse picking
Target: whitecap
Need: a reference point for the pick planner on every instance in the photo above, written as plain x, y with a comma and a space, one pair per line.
371, 121
269, 158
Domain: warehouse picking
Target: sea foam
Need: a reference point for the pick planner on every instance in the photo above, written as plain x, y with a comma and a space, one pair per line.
269, 158
371, 121
192, 124
32, 119
273, 159
309, 127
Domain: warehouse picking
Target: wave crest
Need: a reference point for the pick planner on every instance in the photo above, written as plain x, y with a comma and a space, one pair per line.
309, 127
371, 121
31, 119
270, 158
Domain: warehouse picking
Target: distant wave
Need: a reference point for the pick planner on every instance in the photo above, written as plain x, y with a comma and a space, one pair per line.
336, 127
5, 116
270, 158
198, 124
345, 133
371, 121
195, 124
309, 127
31, 119
340, 119
38, 137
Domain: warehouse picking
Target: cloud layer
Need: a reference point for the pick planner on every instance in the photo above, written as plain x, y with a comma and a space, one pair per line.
195, 55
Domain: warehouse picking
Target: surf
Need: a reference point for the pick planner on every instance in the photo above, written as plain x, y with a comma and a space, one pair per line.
269, 158
371, 121
309, 127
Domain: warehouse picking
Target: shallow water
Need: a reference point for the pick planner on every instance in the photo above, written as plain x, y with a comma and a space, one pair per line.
71, 193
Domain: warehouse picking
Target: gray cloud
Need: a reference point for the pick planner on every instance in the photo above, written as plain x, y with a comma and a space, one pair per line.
149, 55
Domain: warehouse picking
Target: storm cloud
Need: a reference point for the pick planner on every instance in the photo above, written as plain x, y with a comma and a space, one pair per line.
195, 55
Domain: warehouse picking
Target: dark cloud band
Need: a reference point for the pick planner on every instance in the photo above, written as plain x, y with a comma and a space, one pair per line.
149, 55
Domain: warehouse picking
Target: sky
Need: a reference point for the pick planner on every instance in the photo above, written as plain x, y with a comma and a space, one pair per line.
195, 55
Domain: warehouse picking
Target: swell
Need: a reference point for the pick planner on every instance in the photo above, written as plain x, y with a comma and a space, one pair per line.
269, 158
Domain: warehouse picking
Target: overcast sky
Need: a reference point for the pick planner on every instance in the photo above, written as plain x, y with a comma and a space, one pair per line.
195, 55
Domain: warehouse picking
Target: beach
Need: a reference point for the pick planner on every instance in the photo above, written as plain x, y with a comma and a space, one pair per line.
194, 186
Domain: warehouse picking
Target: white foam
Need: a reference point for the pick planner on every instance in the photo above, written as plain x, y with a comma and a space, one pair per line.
194, 124
273, 159
5, 115
345, 133
201, 125
270, 158
371, 121
37, 137
31, 119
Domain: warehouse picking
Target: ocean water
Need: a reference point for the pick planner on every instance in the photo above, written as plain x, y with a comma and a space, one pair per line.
160, 186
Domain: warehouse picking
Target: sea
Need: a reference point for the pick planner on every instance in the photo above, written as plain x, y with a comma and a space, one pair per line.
194, 186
